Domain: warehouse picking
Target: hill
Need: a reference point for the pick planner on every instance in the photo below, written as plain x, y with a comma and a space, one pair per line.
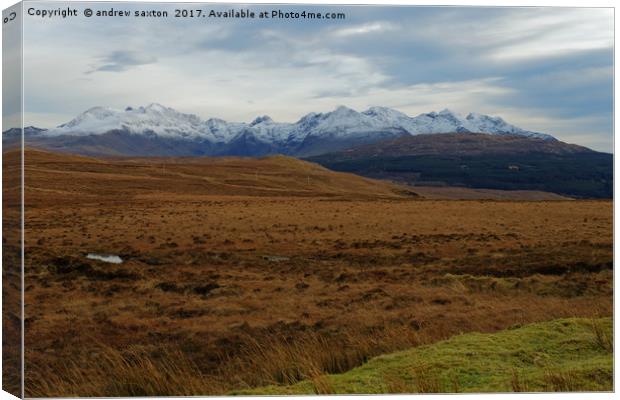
67, 175
481, 161
562, 355
166, 177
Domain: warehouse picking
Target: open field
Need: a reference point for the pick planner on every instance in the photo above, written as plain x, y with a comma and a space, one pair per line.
242, 273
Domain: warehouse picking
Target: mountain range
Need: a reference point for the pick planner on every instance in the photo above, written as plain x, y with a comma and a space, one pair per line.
156, 130
437, 148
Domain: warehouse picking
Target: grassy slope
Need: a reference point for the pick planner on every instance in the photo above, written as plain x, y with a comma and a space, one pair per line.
160, 176
559, 355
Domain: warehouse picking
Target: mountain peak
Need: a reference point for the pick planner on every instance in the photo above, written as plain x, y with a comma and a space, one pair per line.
157, 107
377, 110
447, 111
343, 110
481, 117
91, 117
262, 119
384, 112
99, 110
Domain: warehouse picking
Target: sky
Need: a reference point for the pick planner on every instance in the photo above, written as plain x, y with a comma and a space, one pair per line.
543, 69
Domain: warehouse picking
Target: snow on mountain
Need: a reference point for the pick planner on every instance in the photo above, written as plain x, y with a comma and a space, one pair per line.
343, 121
486, 124
221, 130
154, 119
390, 117
266, 130
447, 121
95, 120
259, 120
442, 122
341, 124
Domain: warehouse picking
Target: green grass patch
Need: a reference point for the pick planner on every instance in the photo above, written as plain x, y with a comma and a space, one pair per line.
573, 354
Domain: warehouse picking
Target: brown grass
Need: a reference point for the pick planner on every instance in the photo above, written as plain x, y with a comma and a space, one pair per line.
394, 384
112, 372
518, 383
165, 372
425, 381
246, 282
561, 381
601, 338
285, 360
321, 384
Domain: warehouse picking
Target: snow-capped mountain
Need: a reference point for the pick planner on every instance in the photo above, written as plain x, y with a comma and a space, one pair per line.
314, 133
447, 121
152, 119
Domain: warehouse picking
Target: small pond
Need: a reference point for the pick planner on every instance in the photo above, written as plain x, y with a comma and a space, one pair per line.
109, 258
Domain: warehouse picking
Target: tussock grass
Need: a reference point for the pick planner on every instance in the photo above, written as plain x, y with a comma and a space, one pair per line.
517, 382
285, 360
271, 360
112, 372
561, 381
602, 337
426, 381
562, 355
558, 355
321, 384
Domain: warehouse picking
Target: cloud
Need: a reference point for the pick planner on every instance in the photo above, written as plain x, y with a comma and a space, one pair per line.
521, 34
556, 34
122, 60
373, 27
478, 95
536, 67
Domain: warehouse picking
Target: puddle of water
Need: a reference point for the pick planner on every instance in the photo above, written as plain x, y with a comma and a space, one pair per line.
109, 258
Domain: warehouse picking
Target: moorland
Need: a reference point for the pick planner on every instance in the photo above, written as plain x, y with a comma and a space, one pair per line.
241, 273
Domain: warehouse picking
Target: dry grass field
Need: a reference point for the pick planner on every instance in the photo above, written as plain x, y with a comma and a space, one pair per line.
240, 273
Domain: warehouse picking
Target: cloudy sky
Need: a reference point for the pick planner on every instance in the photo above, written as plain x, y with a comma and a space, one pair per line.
542, 69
